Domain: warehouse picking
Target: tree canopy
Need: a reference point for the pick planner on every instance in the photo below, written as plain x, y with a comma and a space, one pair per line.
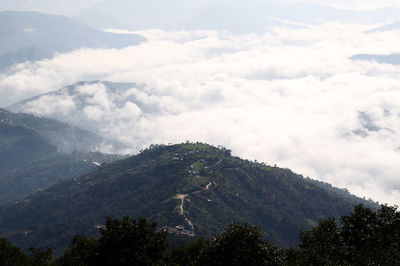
123, 241
364, 237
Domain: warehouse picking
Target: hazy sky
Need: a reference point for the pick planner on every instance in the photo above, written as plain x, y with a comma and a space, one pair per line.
289, 96
72, 7
354, 4
62, 7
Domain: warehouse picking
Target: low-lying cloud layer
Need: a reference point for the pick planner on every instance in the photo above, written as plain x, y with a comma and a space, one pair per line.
290, 97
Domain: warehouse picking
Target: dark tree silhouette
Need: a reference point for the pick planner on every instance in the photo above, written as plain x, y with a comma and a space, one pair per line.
241, 244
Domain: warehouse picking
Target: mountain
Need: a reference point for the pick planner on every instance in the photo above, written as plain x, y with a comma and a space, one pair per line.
19, 145
232, 15
30, 162
393, 59
67, 138
94, 105
31, 53
29, 36
174, 15
63, 7
193, 190
40, 173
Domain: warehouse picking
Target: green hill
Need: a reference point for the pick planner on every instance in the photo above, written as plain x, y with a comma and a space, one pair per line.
193, 190
66, 137
29, 161
19, 145
40, 174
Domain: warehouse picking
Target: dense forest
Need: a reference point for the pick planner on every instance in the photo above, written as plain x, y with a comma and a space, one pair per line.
365, 237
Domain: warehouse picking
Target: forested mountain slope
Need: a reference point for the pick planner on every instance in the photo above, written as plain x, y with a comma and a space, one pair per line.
19, 145
41, 173
192, 190
66, 137
31, 160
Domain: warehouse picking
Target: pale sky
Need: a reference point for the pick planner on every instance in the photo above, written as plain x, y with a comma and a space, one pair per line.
364, 5
61, 7
72, 7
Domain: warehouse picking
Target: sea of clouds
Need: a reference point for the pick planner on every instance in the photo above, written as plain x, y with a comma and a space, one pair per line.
290, 97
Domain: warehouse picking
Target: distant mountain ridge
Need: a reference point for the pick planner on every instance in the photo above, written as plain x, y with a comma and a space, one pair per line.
30, 36
387, 27
31, 160
66, 137
63, 7
19, 145
41, 172
393, 59
92, 105
231, 15
192, 190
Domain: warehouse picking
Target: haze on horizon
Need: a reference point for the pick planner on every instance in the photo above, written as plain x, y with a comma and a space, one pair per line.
288, 95
73, 7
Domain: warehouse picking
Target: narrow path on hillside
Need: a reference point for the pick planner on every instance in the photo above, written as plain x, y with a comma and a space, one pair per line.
181, 197
203, 189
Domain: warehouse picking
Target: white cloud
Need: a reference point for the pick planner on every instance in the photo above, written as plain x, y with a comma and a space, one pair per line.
49, 105
92, 112
290, 97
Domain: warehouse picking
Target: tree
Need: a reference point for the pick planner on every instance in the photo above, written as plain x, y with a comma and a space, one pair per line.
10, 255
323, 245
188, 254
81, 252
123, 241
372, 237
241, 244
129, 242
40, 258
365, 237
